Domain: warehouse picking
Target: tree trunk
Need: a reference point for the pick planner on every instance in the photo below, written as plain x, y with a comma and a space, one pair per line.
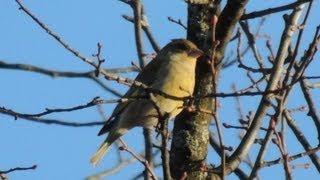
191, 129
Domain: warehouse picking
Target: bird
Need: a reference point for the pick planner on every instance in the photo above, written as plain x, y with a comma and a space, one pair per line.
172, 72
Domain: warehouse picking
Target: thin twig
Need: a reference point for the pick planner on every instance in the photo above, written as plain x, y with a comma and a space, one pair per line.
68, 74
164, 151
147, 133
107, 75
268, 11
95, 101
291, 158
215, 145
147, 30
55, 35
139, 158
247, 141
252, 43
137, 11
112, 170
214, 71
239, 56
302, 139
54, 73
17, 115
18, 169
312, 107
179, 22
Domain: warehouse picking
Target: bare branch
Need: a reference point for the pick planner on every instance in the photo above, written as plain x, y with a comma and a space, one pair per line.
18, 169
239, 56
95, 101
248, 139
179, 22
215, 145
55, 35
252, 43
112, 170
17, 115
137, 11
268, 11
147, 133
312, 108
139, 158
164, 151
302, 139
147, 30
107, 75
54, 73
291, 158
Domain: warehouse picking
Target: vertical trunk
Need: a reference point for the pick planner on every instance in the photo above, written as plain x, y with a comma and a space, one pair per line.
191, 130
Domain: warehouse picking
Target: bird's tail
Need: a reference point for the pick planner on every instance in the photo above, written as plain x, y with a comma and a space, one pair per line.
96, 158
113, 135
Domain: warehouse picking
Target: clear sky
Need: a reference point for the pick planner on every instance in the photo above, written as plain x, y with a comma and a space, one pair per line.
63, 152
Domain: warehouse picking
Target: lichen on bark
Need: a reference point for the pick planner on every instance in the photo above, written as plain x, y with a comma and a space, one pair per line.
191, 129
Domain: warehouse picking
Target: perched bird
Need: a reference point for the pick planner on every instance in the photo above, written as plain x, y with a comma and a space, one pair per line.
172, 72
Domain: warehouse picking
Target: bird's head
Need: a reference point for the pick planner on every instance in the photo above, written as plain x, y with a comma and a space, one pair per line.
182, 48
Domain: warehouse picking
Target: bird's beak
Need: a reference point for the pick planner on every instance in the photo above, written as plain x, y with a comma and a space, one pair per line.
195, 53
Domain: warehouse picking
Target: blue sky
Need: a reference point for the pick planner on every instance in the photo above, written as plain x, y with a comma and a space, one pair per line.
63, 152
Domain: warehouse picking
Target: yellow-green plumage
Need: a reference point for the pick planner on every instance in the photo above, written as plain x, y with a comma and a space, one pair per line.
179, 82
172, 72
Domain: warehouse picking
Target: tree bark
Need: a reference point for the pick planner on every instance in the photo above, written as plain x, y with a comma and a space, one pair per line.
191, 129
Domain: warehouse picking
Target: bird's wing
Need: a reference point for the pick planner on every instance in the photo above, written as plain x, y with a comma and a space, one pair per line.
117, 111
146, 76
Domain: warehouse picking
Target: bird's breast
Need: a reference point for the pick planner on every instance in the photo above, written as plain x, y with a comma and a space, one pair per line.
179, 80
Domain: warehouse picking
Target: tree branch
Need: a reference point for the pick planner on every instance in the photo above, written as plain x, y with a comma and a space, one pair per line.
19, 169
302, 139
257, 14
243, 149
17, 115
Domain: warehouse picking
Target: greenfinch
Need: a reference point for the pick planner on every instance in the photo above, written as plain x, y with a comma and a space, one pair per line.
172, 72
